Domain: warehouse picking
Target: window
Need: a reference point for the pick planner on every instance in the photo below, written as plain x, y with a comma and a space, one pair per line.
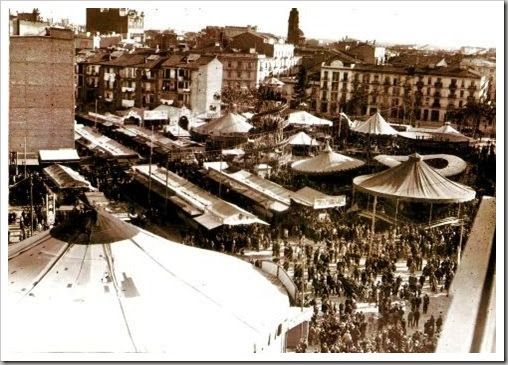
429, 82
394, 81
461, 93
336, 76
325, 75
460, 104
345, 76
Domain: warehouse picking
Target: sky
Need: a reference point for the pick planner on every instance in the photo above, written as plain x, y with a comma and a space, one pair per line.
449, 24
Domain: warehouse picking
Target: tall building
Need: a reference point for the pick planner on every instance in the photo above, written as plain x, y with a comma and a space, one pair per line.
295, 35
126, 22
41, 91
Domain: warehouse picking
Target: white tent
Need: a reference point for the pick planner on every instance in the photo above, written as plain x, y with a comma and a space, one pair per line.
302, 139
96, 285
231, 123
455, 165
376, 125
448, 129
272, 81
304, 118
327, 162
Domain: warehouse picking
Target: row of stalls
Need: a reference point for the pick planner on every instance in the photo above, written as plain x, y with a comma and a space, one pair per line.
271, 200
196, 205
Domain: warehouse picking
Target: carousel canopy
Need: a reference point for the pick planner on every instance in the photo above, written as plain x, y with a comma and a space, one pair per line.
414, 180
231, 123
302, 139
327, 162
375, 125
99, 285
455, 165
304, 118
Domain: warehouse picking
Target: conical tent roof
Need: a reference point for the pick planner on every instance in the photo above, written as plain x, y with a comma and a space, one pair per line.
304, 118
448, 129
414, 180
327, 162
455, 165
231, 123
133, 291
302, 139
272, 81
376, 125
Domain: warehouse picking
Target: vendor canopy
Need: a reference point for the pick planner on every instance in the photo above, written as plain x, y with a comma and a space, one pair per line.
375, 125
304, 118
231, 123
317, 200
455, 166
66, 178
302, 139
414, 180
326, 162
272, 81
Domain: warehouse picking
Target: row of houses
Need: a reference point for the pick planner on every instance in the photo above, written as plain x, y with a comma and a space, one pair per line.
112, 80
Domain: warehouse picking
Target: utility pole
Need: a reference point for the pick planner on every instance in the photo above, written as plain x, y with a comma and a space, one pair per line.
31, 207
24, 158
150, 172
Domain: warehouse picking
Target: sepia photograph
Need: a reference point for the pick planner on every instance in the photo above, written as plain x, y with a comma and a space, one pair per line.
252, 181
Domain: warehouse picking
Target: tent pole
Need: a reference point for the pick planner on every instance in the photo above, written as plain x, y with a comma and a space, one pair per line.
459, 250
430, 214
353, 199
373, 223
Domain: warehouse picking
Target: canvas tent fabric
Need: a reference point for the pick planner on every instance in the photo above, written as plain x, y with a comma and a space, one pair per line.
414, 180
376, 125
455, 165
448, 129
326, 162
231, 123
213, 208
59, 155
316, 199
272, 81
140, 293
66, 178
304, 118
302, 139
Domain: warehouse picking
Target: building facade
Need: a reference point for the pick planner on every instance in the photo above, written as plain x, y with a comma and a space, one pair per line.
127, 22
41, 91
398, 93
120, 80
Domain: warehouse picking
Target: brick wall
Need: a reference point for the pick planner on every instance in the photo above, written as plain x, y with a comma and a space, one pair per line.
41, 93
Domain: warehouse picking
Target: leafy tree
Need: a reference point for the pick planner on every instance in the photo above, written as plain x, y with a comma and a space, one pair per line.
302, 84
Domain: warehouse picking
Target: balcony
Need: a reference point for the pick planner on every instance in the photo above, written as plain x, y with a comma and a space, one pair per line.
438, 84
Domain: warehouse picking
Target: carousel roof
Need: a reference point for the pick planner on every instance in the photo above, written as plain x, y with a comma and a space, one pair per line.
327, 162
375, 125
302, 139
455, 165
414, 180
99, 285
231, 123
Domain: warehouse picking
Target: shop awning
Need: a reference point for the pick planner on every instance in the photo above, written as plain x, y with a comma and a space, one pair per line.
59, 155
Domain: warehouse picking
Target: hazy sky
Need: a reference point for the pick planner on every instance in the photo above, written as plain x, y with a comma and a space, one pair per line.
446, 24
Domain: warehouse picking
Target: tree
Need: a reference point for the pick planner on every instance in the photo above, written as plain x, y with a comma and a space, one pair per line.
243, 98
301, 85
472, 114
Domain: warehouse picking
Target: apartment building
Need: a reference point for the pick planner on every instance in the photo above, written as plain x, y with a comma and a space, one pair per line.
41, 91
401, 93
118, 80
